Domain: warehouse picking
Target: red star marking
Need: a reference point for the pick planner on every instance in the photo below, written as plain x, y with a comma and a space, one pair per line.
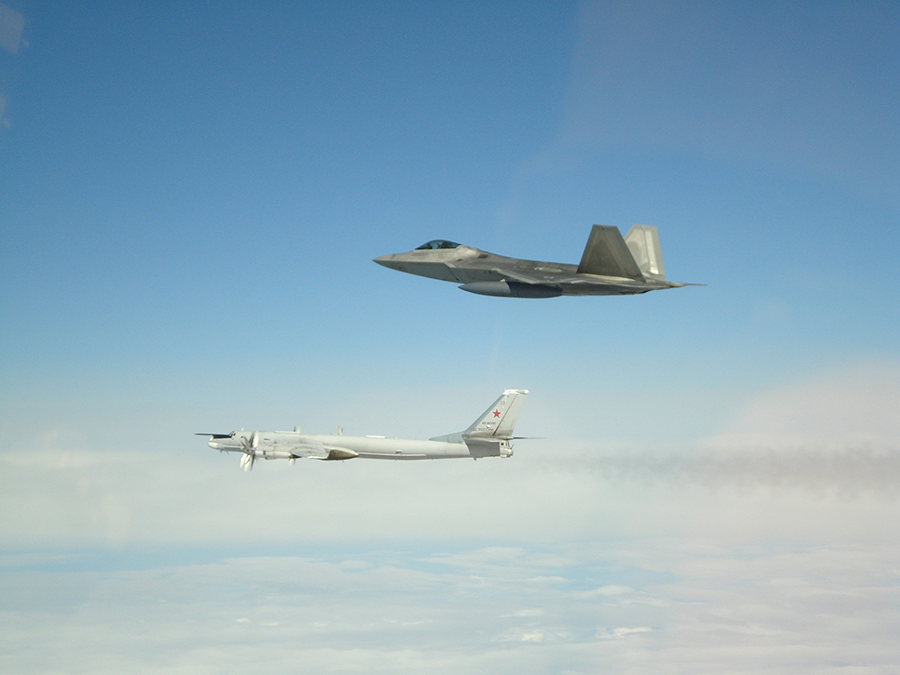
496, 413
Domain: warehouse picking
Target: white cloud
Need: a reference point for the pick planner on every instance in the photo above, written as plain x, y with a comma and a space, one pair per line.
612, 590
834, 436
855, 404
789, 608
621, 632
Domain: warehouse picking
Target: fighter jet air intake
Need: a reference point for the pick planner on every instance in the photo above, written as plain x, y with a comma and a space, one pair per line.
488, 436
610, 265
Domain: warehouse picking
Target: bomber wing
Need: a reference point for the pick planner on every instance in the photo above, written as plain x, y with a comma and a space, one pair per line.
310, 450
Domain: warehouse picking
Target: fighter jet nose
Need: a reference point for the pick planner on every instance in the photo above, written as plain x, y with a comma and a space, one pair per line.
387, 261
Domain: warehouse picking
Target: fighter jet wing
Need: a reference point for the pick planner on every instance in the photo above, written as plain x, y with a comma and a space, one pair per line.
533, 277
550, 278
543, 277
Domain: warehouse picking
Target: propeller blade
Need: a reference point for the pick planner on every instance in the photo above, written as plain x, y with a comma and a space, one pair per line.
213, 435
249, 448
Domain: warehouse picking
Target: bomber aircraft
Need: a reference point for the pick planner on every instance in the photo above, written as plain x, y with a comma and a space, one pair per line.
488, 436
610, 265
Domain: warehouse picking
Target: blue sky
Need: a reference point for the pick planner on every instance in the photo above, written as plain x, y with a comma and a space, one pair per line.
190, 199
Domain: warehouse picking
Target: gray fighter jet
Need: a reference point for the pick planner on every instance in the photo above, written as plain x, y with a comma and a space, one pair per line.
487, 436
610, 265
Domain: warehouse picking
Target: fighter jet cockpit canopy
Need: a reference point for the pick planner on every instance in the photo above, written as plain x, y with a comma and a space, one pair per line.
435, 244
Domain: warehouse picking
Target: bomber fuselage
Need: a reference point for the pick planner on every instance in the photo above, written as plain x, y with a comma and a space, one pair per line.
279, 445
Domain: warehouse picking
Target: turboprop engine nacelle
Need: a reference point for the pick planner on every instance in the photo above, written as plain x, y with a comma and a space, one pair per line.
272, 454
511, 289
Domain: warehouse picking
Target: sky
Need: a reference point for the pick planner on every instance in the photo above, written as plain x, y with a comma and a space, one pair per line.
190, 198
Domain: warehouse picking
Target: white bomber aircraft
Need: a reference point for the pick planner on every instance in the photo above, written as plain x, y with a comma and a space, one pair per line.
488, 436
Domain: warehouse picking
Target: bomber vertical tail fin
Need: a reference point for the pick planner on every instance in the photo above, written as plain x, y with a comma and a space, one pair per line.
499, 420
643, 242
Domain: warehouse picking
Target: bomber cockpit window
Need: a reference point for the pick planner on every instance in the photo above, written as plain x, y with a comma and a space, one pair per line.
436, 244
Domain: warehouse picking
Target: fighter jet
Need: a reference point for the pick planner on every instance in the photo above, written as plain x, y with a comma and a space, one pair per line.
487, 436
610, 265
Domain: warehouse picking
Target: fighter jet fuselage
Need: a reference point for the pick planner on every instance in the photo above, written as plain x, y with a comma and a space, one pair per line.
610, 265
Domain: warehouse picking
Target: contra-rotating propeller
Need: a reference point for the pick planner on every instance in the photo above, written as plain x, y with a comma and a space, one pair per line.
249, 448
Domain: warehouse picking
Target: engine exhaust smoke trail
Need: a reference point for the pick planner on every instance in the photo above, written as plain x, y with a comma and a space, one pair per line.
850, 471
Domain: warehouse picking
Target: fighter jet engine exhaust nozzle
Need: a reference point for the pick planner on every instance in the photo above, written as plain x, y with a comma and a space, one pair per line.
511, 289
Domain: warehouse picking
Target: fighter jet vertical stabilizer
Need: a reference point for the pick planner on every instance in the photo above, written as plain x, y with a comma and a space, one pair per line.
643, 242
606, 254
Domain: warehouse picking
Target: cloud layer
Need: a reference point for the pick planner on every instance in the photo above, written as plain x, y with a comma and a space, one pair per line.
674, 605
